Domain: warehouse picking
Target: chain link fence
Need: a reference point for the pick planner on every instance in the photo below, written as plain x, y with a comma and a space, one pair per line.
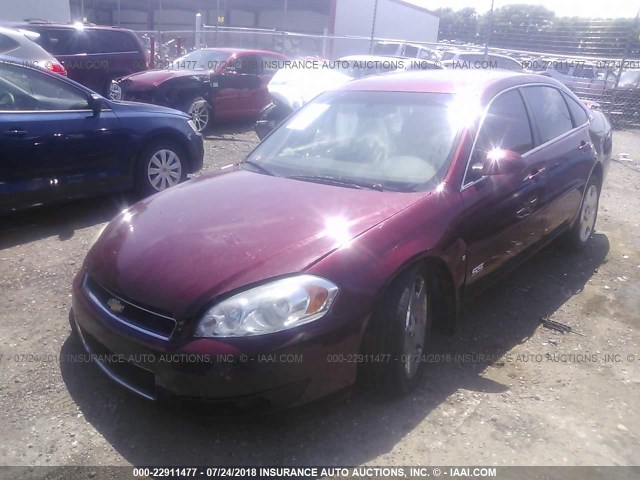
598, 59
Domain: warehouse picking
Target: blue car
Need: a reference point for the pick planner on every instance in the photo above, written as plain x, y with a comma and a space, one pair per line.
60, 141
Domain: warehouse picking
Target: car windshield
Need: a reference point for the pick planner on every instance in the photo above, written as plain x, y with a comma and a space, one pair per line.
200, 60
629, 78
400, 141
364, 67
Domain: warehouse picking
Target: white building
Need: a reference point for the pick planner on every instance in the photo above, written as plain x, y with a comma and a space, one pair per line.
392, 19
46, 10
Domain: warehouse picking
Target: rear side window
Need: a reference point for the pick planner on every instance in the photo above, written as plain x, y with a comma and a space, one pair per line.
7, 43
578, 113
505, 63
64, 41
106, 41
549, 111
410, 51
506, 126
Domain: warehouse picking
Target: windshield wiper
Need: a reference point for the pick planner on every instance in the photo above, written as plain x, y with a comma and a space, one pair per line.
339, 181
259, 167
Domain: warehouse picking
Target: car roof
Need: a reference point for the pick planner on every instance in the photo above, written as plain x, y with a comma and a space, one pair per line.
84, 26
365, 58
242, 50
447, 81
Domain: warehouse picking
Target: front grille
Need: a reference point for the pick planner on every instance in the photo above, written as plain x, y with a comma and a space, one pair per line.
135, 316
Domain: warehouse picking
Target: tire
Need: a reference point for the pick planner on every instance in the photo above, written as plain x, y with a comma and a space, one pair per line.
578, 237
107, 91
271, 117
161, 165
200, 112
401, 330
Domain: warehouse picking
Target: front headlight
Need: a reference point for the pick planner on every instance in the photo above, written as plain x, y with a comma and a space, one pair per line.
269, 308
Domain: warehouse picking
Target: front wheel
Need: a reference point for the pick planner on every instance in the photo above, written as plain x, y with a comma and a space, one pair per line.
402, 329
200, 113
271, 117
161, 165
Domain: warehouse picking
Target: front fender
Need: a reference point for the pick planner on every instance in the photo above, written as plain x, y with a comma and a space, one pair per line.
178, 92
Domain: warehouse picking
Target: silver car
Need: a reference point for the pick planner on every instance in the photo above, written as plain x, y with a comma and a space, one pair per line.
20, 44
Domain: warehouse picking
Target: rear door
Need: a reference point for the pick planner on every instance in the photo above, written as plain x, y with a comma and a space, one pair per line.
562, 126
502, 212
235, 87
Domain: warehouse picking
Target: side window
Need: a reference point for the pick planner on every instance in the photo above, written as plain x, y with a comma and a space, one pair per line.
7, 43
578, 113
270, 65
245, 64
505, 126
410, 51
549, 111
108, 41
65, 41
32, 90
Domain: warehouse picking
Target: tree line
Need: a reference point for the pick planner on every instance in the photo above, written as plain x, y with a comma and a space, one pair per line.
535, 28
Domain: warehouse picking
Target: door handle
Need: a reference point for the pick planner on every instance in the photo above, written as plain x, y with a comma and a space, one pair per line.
584, 146
535, 173
15, 132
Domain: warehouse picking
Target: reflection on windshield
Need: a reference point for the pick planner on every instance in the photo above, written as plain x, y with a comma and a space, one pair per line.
384, 140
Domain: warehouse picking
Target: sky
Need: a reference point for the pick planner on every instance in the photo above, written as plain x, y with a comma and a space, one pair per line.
562, 8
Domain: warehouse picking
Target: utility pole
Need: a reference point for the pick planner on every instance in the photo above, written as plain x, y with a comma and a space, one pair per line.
487, 37
373, 26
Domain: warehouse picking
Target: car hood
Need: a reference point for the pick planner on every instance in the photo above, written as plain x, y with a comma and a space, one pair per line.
178, 249
153, 78
121, 106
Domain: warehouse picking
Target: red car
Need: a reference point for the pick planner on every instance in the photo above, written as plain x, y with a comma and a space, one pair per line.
210, 84
355, 229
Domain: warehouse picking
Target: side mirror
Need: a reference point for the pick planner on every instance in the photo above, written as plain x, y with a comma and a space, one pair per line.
501, 162
95, 104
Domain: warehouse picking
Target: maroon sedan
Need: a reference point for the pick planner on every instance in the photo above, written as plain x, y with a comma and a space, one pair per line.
351, 233
209, 84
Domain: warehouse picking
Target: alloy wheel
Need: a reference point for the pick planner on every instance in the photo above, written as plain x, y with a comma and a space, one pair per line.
199, 111
164, 169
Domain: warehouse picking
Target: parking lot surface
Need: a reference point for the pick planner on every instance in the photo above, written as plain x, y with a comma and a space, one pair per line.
505, 390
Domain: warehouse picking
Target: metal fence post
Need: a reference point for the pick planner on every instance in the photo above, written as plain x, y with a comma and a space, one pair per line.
198, 39
487, 37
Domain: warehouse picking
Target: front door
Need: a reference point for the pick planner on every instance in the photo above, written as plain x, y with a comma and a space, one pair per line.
502, 212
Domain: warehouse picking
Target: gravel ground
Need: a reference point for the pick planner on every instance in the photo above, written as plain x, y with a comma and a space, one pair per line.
523, 395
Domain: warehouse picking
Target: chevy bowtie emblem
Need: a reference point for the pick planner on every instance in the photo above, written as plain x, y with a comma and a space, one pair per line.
115, 305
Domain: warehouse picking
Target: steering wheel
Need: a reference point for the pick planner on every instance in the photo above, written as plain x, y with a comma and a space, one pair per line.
7, 100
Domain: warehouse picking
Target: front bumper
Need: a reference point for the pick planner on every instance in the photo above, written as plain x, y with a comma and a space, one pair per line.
218, 372
196, 152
